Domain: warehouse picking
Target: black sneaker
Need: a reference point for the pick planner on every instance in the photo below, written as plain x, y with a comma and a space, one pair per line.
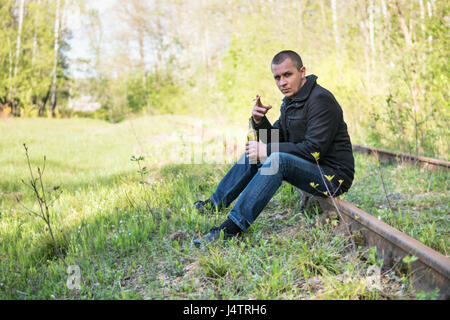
205, 206
212, 235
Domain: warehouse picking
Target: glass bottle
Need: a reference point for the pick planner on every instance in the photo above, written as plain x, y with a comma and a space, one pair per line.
252, 135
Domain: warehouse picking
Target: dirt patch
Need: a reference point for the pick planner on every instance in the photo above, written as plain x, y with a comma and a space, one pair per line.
179, 236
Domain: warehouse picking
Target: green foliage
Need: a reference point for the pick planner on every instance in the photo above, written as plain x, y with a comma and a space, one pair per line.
136, 94
120, 98
423, 295
245, 71
416, 111
28, 79
403, 87
392, 81
372, 257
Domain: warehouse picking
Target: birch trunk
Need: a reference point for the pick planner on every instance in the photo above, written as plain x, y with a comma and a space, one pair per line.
371, 27
430, 15
19, 36
404, 26
322, 11
383, 41
335, 25
366, 50
34, 52
10, 70
422, 17
206, 52
413, 86
142, 55
14, 103
55, 61
300, 6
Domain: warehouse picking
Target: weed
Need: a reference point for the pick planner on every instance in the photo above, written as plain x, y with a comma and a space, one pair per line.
422, 295
44, 201
331, 195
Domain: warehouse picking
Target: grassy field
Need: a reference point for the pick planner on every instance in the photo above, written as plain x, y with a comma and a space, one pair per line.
129, 228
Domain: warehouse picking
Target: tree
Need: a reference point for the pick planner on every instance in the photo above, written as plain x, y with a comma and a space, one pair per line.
55, 55
15, 102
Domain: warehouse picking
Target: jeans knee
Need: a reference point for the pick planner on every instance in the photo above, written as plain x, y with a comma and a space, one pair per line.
274, 155
273, 164
285, 162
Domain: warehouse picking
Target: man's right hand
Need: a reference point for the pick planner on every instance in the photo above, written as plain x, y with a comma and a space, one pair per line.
259, 110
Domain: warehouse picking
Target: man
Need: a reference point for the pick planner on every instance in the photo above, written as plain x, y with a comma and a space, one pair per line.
311, 127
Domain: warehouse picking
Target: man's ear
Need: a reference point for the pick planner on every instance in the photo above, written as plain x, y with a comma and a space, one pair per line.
303, 71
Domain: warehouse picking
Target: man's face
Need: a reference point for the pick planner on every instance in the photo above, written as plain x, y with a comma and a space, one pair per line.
288, 79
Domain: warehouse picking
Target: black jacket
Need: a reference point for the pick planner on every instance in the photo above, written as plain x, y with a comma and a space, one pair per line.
312, 121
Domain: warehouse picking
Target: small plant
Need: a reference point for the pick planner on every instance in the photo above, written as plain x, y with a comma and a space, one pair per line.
330, 194
373, 257
433, 295
408, 260
374, 135
377, 160
143, 172
43, 199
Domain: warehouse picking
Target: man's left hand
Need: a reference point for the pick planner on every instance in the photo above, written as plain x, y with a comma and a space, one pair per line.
255, 149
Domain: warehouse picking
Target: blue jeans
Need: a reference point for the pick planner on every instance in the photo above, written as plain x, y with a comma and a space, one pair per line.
256, 183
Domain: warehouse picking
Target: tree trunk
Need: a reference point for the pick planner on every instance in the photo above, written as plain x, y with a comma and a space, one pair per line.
300, 8
157, 44
41, 104
15, 106
205, 53
372, 27
422, 18
55, 61
430, 15
371, 35
33, 57
10, 70
335, 25
413, 86
141, 54
366, 50
403, 25
383, 39
322, 12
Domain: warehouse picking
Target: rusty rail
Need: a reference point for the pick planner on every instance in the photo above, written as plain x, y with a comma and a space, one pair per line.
386, 155
430, 271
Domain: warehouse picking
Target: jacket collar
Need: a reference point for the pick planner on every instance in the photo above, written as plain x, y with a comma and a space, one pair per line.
304, 91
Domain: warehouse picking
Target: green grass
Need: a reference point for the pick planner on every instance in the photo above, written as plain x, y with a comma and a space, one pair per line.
133, 240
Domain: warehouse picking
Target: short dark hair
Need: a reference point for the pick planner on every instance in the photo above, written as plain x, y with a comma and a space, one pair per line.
295, 58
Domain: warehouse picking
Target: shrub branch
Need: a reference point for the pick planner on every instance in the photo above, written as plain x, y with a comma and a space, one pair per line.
37, 185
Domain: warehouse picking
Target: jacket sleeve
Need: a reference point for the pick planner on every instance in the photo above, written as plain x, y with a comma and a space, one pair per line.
265, 124
321, 128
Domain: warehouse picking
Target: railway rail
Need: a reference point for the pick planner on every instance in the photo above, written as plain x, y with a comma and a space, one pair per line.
389, 156
431, 270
